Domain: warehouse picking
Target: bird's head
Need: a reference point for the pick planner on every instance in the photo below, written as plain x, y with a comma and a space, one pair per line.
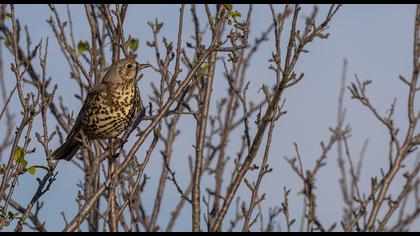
124, 71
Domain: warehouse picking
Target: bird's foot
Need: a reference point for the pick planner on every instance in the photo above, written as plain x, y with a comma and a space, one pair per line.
117, 144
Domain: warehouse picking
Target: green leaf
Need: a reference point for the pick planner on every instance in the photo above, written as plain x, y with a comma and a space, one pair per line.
32, 170
82, 46
24, 163
12, 215
19, 154
232, 14
228, 7
236, 14
134, 44
19, 157
7, 42
2, 213
204, 68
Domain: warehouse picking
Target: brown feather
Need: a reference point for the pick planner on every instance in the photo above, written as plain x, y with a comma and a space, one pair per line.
67, 150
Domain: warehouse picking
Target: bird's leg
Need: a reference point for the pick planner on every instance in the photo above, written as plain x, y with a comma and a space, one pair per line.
117, 143
112, 149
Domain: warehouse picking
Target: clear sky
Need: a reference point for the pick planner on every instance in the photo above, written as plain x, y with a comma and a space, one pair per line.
375, 39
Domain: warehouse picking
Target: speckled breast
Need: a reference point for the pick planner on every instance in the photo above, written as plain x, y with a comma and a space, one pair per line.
112, 113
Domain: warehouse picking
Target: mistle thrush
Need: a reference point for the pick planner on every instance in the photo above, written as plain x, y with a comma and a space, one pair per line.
109, 108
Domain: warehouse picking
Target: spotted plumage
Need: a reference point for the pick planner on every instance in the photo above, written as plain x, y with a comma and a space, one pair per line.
109, 108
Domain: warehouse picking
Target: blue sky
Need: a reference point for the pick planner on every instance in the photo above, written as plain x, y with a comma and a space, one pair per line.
375, 39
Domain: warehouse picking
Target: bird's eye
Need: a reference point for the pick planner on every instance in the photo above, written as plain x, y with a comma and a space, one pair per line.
129, 66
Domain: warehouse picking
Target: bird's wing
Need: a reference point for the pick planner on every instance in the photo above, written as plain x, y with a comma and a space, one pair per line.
96, 90
139, 110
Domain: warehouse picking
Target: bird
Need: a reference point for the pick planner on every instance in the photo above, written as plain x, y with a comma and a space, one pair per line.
109, 108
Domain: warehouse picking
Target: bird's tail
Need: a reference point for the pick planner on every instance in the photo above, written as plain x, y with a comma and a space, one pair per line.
67, 150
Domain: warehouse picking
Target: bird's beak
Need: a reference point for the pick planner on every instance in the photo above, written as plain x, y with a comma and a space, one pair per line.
142, 66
